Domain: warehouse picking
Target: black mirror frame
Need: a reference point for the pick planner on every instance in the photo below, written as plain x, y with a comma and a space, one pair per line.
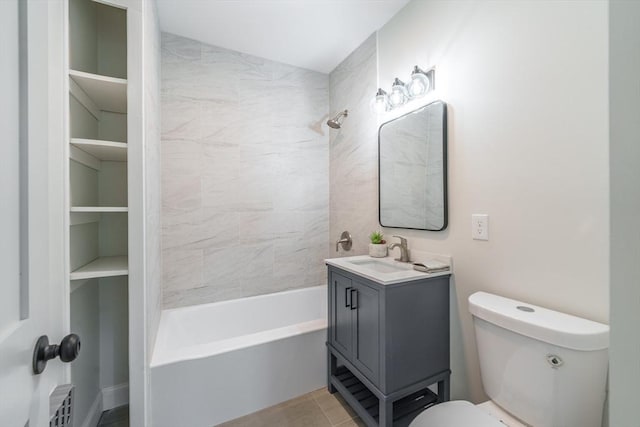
445, 169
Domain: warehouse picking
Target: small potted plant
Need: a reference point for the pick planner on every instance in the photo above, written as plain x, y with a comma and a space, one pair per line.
378, 246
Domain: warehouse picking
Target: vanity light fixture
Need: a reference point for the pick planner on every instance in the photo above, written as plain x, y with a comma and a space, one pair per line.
399, 94
421, 83
380, 103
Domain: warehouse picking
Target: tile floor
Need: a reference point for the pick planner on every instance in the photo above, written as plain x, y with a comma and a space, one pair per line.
116, 417
316, 409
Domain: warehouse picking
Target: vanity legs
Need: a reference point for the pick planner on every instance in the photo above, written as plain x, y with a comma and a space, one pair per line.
444, 390
375, 408
385, 413
332, 366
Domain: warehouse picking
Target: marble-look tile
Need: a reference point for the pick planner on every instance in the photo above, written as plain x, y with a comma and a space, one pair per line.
182, 269
182, 157
222, 265
199, 228
353, 154
236, 66
257, 260
245, 174
180, 118
290, 259
200, 295
270, 226
181, 191
180, 49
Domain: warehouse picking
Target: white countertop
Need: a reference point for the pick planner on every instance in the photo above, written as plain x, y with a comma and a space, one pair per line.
385, 271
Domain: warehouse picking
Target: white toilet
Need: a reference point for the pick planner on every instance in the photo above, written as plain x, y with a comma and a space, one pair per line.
540, 368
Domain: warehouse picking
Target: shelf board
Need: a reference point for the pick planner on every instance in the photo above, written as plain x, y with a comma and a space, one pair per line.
79, 218
99, 209
103, 267
366, 404
102, 150
106, 93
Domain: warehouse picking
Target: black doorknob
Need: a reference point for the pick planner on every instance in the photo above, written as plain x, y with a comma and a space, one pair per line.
68, 350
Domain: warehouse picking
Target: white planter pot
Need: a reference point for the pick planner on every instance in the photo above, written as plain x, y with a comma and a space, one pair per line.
378, 250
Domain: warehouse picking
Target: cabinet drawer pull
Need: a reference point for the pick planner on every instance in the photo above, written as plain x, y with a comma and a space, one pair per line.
347, 297
354, 293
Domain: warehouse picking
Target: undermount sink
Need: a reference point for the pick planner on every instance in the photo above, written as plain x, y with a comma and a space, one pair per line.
385, 271
380, 266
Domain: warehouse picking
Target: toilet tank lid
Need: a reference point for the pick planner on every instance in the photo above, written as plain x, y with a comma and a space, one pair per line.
553, 327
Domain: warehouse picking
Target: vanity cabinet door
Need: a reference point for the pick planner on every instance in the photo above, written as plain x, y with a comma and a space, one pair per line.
341, 314
366, 319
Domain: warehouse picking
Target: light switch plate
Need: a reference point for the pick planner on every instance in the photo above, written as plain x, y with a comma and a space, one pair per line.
480, 226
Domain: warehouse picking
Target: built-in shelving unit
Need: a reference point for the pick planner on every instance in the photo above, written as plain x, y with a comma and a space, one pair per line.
98, 199
102, 267
102, 150
99, 93
99, 209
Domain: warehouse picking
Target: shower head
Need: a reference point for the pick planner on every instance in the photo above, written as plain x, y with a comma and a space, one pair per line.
336, 122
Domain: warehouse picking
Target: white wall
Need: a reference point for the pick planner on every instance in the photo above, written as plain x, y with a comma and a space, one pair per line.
153, 191
624, 86
528, 144
244, 174
85, 372
144, 195
113, 331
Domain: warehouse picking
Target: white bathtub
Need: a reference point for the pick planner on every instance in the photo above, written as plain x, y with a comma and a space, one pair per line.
216, 362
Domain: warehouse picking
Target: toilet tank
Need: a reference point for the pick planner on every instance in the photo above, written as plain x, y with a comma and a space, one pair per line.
548, 369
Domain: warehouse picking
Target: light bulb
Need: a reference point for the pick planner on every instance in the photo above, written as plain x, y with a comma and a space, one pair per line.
380, 103
419, 84
398, 94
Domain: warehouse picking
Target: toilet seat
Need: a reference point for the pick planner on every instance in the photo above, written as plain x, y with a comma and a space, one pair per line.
456, 413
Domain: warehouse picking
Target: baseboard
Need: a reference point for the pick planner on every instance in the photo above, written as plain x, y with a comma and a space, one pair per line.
95, 412
115, 396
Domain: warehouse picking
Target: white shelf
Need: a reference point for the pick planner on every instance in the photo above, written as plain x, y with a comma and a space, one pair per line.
99, 209
79, 218
103, 267
98, 92
102, 150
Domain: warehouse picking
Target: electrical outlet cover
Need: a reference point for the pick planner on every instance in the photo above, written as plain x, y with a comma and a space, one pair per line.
480, 226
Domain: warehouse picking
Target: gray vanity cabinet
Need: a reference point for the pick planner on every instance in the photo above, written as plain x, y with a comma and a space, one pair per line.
387, 344
355, 313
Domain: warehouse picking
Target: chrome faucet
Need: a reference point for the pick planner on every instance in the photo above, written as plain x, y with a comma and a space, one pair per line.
404, 250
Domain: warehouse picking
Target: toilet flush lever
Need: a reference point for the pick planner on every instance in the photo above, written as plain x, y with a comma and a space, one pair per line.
554, 361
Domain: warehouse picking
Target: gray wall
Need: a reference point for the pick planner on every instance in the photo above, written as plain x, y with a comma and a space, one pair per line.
624, 114
245, 184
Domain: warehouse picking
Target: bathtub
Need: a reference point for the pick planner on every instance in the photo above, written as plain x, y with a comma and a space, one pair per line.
216, 362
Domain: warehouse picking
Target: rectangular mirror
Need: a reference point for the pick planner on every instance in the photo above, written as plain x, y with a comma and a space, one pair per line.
412, 153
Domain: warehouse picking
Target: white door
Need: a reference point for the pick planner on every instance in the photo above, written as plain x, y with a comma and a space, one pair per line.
31, 303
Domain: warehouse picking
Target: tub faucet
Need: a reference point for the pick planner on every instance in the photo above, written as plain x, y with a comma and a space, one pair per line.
345, 241
404, 250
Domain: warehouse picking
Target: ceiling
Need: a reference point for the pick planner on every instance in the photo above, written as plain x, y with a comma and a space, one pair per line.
313, 34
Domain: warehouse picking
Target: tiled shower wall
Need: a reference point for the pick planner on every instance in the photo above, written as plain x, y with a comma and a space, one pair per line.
245, 174
354, 150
